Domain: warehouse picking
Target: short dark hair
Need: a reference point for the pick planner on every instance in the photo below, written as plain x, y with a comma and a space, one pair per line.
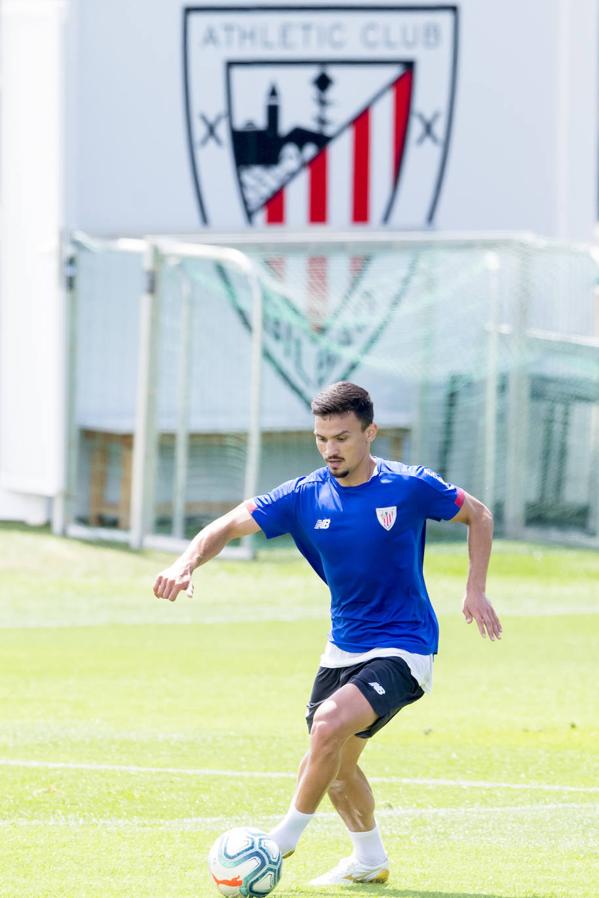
342, 397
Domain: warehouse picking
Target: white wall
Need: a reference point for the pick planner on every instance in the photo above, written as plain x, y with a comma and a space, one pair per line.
522, 152
522, 155
32, 216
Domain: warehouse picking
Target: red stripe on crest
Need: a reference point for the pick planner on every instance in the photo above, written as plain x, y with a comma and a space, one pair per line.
361, 193
318, 172
402, 96
275, 208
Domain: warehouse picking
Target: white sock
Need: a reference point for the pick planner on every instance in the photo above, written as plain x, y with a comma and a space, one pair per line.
369, 848
289, 830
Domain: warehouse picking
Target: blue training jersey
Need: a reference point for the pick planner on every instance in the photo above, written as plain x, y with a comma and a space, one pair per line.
367, 543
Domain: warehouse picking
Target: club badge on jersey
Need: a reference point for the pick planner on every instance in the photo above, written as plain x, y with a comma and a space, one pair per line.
387, 516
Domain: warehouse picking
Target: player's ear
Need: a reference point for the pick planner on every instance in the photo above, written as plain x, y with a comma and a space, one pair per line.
371, 432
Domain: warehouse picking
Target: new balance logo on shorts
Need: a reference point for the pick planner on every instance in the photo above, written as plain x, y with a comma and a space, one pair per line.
322, 524
377, 688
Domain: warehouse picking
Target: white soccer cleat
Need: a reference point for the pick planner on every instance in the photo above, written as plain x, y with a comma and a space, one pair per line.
349, 871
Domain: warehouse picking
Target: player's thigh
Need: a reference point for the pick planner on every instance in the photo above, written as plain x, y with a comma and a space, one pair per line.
345, 713
388, 685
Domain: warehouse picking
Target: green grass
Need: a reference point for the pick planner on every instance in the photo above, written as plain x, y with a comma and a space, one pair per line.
95, 671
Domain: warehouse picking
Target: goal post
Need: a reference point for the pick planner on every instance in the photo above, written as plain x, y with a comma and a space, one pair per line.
193, 365
164, 254
88, 285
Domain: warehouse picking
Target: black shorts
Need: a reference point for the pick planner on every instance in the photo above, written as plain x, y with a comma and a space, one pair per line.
386, 683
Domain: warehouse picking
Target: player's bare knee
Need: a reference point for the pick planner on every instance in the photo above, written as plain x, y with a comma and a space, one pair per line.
328, 718
328, 731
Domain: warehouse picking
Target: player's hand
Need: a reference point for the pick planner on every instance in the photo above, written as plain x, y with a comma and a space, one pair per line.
173, 580
477, 607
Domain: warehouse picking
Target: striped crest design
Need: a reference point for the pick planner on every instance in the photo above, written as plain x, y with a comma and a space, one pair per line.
319, 116
347, 176
387, 516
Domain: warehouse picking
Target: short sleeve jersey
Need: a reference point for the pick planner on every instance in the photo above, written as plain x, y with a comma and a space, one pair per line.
367, 543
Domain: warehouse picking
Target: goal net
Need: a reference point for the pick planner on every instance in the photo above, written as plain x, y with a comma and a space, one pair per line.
194, 367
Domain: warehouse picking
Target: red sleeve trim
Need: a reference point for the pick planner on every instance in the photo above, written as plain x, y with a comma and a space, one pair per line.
460, 496
251, 505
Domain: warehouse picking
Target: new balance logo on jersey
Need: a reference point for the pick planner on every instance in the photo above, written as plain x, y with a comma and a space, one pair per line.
377, 688
322, 524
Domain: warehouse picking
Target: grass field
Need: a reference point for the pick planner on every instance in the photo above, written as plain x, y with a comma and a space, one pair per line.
134, 731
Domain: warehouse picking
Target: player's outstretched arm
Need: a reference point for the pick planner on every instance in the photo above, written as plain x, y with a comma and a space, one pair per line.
205, 545
479, 521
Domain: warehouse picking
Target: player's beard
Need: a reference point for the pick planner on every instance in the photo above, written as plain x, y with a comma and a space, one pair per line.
339, 475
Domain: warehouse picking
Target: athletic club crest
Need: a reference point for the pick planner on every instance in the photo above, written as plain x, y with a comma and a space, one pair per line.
387, 516
319, 115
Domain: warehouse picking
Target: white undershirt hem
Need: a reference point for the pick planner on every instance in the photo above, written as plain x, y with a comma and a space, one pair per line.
421, 666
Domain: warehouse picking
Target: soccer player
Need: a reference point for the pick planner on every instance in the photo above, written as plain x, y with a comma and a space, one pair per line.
359, 521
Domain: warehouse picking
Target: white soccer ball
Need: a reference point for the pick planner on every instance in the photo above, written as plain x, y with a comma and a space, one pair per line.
245, 862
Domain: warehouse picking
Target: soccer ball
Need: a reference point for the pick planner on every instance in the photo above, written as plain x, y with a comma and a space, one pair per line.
245, 862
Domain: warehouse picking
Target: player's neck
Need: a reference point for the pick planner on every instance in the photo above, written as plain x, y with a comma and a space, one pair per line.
361, 474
